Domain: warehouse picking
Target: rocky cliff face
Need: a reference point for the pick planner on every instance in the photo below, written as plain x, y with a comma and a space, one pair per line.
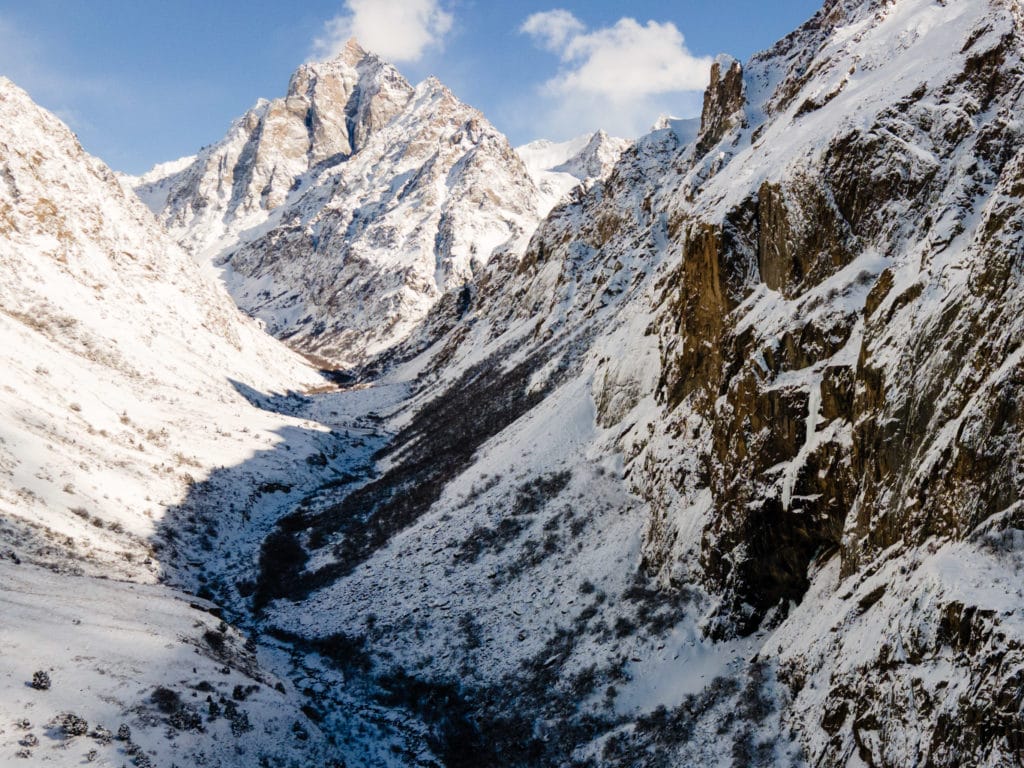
842, 368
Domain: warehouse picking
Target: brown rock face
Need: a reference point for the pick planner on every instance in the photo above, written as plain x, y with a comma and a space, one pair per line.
940, 453
711, 286
723, 105
793, 256
860, 419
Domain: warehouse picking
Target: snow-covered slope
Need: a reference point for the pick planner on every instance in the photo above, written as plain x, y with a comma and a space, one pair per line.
341, 213
126, 376
154, 186
557, 168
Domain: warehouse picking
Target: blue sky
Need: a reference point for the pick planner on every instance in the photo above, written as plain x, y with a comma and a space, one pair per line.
147, 81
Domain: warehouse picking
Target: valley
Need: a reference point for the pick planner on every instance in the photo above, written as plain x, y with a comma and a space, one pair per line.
362, 438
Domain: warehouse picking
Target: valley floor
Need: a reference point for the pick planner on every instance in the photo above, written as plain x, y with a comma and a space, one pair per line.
446, 645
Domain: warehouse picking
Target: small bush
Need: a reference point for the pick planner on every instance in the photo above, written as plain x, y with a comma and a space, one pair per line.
241, 693
41, 681
70, 725
624, 627
166, 700
240, 723
186, 719
124, 733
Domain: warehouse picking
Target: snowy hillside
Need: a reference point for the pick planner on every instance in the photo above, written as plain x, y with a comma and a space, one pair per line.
125, 372
557, 168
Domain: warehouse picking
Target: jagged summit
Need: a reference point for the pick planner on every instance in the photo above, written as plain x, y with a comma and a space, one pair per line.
352, 61
432, 84
330, 110
352, 53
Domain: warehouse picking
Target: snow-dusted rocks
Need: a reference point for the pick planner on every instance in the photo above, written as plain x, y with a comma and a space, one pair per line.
330, 110
720, 460
799, 335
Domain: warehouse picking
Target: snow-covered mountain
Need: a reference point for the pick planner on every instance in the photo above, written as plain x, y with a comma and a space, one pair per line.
557, 168
343, 212
126, 375
719, 464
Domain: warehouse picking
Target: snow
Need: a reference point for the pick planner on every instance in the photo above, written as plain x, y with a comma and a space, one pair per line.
685, 130
663, 672
889, 54
544, 155
154, 186
107, 647
831, 637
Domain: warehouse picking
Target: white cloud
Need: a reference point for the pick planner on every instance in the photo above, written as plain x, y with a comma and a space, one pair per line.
551, 29
620, 77
397, 30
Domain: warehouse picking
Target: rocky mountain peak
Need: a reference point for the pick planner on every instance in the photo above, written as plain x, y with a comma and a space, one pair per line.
354, 190
597, 158
353, 63
432, 87
330, 111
